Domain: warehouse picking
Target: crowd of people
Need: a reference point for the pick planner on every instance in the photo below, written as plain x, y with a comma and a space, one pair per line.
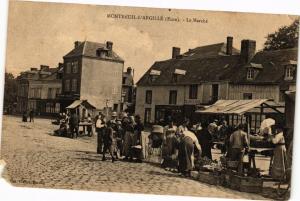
119, 137
181, 145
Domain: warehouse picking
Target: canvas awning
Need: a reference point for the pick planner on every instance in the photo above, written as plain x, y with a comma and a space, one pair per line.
238, 107
77, 103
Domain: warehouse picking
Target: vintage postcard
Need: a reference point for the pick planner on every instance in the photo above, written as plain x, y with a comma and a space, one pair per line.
149, 101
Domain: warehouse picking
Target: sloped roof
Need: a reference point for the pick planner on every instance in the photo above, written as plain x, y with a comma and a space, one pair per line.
208, 51
197, 70
238, 107
210, 63
273, 68
77, 103
89, 49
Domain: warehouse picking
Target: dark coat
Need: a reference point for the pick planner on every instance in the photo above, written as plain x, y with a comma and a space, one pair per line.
74, 120
205, 141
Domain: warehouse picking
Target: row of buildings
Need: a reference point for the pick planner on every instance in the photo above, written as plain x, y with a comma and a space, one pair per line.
90, 71
178, 86
175, 87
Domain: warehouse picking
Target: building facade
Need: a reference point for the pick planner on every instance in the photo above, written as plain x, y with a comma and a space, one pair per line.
38, 89
201, 76
93, 72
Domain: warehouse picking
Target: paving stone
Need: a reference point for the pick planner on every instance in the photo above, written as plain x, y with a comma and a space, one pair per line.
74, 164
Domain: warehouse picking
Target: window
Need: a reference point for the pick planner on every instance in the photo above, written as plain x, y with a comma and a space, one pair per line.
57, 107
114, 90
74, 85
148, 97
57, 92
67, 85
75, 67
250, 74
173, 97
36, 93
193, 91
147, 118
68, 69
288, 73
247, 96
115, 107
50, 91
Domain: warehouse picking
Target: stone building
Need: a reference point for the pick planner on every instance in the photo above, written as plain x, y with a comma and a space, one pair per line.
203, 75
38, 88
93, 72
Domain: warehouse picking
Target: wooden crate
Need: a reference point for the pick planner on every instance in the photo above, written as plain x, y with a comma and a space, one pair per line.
210, 178
246, 184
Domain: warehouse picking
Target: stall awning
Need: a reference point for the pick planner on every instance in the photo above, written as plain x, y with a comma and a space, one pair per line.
238, 107
77, 103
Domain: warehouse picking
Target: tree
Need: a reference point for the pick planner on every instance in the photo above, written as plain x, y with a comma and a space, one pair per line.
10, 90
285, 37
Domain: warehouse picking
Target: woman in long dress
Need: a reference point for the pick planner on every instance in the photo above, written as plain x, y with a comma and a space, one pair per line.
129, 139
279, 155
205, 140
188, 141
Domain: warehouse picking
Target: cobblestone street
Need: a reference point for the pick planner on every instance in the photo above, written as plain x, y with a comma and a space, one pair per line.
36, 158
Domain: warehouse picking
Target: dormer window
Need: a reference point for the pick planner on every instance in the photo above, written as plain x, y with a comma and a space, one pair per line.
250, 74
177, 73
101, 52
154, 75
253, 70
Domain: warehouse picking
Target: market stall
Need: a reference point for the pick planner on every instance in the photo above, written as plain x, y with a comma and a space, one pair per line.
252, 113
82, 108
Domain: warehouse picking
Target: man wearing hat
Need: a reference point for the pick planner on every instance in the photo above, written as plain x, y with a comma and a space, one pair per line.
114, 116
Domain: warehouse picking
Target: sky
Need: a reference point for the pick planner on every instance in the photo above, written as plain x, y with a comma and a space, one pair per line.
42, 33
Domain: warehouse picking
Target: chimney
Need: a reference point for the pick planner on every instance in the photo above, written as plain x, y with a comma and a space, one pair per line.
33, 69
109, 46
229, 45
175, 52
44, 68
129, 70
76, 44
248, 48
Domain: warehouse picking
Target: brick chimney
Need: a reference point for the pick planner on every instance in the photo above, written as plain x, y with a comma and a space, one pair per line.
175, 52
76, 44
109, 46
248, 48
229, 45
